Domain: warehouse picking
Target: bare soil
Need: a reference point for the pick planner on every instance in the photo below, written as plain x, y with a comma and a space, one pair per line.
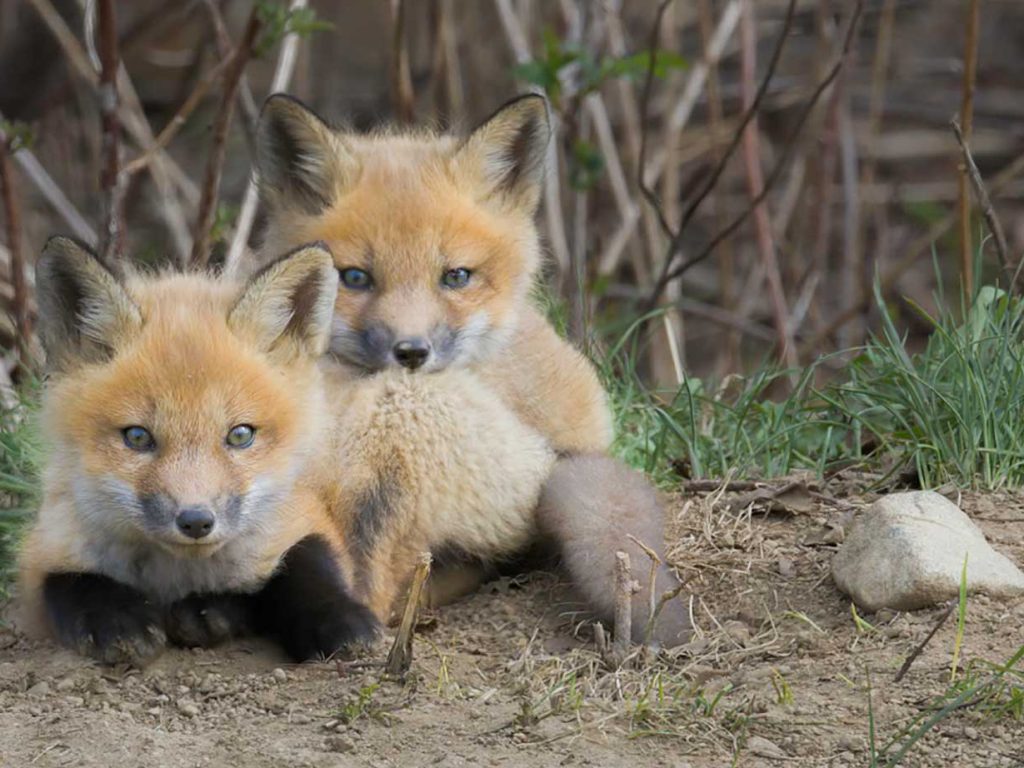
778, 674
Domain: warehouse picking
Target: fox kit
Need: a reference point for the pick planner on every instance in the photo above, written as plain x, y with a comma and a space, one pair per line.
180, 413
436, 248
200, 486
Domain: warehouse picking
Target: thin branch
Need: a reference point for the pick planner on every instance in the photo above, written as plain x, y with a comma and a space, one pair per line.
12, 221
625, 588
920, 646
247, 215
215, 164
967, 118
401, 78
780, 164
177, 122
755, 106
111, 184
994, 226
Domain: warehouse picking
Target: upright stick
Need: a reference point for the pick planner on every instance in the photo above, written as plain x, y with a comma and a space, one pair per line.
400, 656
966, 124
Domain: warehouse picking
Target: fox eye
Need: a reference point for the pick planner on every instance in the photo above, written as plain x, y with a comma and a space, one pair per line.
138, 438
356, 279
456, 278
241, 436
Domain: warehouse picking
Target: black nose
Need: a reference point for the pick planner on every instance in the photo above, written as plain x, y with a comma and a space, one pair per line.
195, 522
411, 353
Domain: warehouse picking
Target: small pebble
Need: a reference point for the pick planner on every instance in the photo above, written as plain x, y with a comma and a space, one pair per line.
279, 675
339, 744
187, 708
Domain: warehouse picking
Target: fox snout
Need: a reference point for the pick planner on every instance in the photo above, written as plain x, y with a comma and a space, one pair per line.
412, 353
192, 522
196, 522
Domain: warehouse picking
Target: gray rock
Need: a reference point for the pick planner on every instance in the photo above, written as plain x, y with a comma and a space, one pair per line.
907, 551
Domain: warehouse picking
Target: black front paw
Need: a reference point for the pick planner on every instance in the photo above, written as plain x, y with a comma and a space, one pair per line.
327, 629
306, 605
102, 618
206, 620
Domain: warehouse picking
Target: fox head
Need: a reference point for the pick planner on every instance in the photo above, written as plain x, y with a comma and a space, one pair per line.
179, 408
432, 235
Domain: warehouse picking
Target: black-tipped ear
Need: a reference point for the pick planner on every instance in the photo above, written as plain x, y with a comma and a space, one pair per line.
287, 307
85, 313
507, 153
302, 164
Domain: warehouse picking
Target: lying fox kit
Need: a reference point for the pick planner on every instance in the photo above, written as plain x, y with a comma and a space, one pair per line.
436, 249
180, 412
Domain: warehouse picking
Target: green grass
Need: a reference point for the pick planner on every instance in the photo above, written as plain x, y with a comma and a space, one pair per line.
20, 460
950, 412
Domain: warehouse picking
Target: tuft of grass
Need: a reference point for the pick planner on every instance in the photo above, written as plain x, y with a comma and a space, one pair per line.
20, 459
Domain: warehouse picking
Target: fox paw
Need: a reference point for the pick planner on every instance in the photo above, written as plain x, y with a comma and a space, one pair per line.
329, 629
102, 618
203, 621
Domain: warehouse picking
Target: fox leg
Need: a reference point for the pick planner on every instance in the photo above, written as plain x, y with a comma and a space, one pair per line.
203, 620
103, 618
589, 507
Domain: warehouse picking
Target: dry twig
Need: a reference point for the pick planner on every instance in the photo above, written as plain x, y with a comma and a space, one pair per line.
625, 588
967, 119
112, 184
12, 220
400, 656
401, 78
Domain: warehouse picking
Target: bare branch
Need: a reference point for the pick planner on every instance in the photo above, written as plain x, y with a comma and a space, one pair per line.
111, 183
401, 78
215, 164
400, 655
12, 220
967, 117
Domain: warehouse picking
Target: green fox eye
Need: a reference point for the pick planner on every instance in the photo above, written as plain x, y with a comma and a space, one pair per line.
241, 436
456, 278
138, 438
356, 279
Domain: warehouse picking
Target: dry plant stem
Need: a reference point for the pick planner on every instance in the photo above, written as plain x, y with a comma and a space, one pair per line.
53, 194
244, 92
283, 72
600, 640
112, 185
12, 223
912, 253
176, 123
215, 164
991, 219
625, 588
921, 646
752, 110
967, 121
755, 184
401, 79
400, 656
780, 163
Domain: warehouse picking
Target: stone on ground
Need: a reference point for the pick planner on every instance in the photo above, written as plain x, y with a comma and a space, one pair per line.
907, 551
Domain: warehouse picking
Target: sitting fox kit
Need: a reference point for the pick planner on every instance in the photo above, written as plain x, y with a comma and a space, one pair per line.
179, 414
434, 240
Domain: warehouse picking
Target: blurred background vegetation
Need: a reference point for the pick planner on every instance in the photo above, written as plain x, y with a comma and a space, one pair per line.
759, 220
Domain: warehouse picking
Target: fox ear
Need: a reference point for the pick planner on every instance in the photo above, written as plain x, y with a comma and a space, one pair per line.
508, 151
287, 306
302, 164
85, 313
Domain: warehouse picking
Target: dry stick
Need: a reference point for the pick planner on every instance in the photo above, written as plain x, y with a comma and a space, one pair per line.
247, 215
917, 651
967, 118
912, 253
625, 588
713, 177
225, 49
176, 123
552, 196
985, 202
111, 184
401, 78
783, 157
400, 656
215, 164
755, 184
53, 194
12, 219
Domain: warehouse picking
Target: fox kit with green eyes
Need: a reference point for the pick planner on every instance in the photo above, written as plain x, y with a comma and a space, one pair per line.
434, 240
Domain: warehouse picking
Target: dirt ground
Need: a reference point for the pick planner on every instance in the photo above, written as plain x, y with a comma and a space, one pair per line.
778, 674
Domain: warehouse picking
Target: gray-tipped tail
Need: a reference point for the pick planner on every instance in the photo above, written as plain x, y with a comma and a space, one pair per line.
588, 509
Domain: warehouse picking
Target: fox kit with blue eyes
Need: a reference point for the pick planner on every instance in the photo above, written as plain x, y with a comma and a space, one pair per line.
200, 485
434, 240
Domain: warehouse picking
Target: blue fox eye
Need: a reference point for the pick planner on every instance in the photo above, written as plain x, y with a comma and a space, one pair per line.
356, 279
138, 438
456, 278
241, 436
